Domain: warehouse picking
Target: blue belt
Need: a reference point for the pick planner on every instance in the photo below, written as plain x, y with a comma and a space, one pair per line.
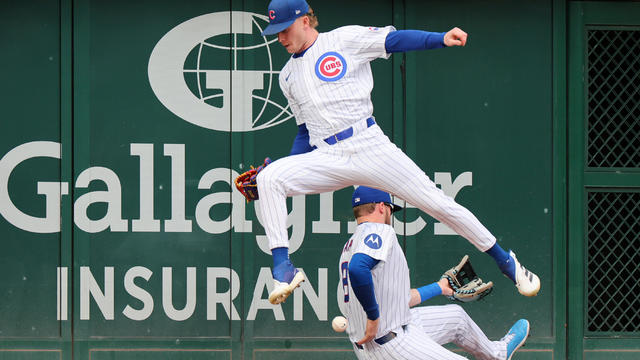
384, 339
346, 133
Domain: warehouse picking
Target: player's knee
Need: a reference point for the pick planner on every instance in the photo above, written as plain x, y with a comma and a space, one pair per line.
265, 176
456, 312
268, 180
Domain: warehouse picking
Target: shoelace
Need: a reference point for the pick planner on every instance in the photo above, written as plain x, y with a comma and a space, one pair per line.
507, 338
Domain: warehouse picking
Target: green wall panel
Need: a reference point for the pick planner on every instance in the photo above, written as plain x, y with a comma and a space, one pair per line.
338, 354
611, 354
30, 99
159, 168
148, 354
526, 354
24, 354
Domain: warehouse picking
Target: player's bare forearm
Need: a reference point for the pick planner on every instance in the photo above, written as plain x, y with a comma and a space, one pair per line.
455, 37
415, 298
370, 332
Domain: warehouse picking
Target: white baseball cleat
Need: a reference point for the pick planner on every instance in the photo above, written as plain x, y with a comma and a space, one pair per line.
528, 283
282, 290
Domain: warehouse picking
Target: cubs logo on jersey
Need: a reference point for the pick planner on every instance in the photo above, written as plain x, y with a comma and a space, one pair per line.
373, 241
331, 66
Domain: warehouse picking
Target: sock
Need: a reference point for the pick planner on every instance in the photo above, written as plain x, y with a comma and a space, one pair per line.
502, 258
280, 255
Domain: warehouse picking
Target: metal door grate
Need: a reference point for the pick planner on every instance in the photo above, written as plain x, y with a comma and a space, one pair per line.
613, 114
613, 261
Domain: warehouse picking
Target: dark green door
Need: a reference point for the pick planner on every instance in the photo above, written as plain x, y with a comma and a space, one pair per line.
604, 180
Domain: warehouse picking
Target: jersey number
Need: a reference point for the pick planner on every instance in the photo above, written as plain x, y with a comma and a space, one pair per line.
344, 270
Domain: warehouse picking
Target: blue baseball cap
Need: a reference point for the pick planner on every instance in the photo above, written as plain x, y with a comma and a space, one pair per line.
365, 195
282, 13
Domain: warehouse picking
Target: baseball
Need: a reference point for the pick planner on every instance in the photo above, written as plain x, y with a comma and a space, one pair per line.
339, 323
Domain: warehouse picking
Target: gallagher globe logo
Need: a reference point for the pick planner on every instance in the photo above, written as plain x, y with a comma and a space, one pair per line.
216, 71
331, 66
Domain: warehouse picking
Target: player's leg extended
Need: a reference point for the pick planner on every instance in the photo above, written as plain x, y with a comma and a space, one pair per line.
395, 172
310, 173
293, 175
411, 344
442, 207
404, 178
451, 324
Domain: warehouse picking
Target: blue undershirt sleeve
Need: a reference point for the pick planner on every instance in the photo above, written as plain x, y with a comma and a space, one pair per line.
408, 40
362, 283
429, 291
301, 142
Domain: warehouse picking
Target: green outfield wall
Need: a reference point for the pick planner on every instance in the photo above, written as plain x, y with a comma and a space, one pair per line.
123, 124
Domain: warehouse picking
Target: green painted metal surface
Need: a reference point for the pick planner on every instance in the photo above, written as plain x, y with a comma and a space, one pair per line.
585, 180
31, 112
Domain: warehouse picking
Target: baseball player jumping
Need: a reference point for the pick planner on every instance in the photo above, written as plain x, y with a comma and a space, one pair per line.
377, 297
328, 84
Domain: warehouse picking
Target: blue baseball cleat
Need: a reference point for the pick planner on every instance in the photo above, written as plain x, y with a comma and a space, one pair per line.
516, 336
285, 279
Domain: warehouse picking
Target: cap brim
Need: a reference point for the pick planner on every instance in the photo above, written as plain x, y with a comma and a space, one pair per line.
395, 208
272, 29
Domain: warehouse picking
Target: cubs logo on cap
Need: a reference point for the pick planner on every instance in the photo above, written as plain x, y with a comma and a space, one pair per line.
282, 13
331, 66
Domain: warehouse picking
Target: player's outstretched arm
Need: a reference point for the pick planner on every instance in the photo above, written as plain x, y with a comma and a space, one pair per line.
424, 293
455, 37
410, 40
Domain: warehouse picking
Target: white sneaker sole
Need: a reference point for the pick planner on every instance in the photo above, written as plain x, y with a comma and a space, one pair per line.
282, 292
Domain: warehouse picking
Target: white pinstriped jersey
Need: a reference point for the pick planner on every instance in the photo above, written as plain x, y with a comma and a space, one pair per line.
329, 86
390, 280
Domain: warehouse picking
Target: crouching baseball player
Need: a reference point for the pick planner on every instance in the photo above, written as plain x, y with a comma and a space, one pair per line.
328, 82
377, 298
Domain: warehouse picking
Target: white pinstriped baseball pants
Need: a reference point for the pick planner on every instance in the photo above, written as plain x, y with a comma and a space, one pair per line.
433, 326
367, 158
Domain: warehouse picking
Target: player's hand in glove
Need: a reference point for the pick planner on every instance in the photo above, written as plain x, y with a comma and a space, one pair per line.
246, 182
466, 284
